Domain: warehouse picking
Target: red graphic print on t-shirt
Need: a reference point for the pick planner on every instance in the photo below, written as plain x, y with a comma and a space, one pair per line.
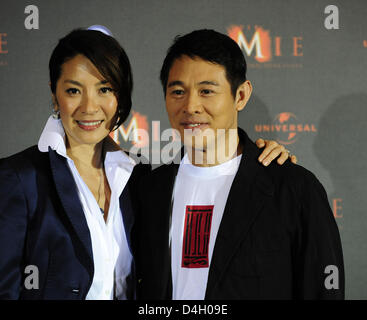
195, 246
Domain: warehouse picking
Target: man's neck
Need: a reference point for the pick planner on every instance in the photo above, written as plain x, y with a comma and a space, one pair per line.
210, 157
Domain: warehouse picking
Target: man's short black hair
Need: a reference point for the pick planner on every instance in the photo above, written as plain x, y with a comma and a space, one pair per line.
211, 46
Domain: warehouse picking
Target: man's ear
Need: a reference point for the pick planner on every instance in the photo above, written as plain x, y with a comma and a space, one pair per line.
243, 95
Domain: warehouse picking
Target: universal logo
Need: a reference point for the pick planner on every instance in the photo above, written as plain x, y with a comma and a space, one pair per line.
287, 126
256, 42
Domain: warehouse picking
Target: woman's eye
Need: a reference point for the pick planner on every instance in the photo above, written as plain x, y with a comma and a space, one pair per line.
72, 91
106, 89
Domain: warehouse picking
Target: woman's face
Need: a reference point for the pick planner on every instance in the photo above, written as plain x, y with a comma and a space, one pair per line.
86, 101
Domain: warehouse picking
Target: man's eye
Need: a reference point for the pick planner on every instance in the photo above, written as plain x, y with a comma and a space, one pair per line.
206, 91
178, 92
72, 91
106, 89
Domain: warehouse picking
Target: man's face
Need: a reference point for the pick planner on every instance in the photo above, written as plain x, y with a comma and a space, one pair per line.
198, 98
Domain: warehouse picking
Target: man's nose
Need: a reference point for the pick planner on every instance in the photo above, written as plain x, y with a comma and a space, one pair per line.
193, 104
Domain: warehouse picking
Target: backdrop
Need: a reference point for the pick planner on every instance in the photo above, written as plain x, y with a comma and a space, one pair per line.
307, 61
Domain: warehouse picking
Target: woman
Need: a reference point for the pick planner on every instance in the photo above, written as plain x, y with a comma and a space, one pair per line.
66, 205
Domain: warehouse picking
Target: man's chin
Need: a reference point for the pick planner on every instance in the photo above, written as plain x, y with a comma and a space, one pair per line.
195, 147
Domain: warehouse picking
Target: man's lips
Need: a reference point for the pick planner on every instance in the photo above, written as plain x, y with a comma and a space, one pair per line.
194, 125
89, 124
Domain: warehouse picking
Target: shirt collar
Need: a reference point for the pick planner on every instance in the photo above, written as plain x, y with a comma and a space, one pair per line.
53, 136
119, 158
226, 168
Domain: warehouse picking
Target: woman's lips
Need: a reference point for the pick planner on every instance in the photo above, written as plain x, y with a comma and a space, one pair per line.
89, 125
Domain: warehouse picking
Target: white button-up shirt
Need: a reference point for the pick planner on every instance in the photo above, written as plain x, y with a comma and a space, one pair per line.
111, 254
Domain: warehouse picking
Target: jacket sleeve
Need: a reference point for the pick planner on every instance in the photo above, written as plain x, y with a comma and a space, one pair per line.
13, 224
319, 267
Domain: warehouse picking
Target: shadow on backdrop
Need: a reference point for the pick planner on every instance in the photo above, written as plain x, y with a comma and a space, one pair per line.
340, 146
255, 112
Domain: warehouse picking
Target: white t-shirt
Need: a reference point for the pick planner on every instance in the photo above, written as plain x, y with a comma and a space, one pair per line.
199, 198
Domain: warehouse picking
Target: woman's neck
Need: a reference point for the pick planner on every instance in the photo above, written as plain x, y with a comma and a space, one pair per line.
86, 155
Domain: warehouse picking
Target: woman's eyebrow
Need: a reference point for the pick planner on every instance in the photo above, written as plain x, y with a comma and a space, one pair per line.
73, 82
77, 83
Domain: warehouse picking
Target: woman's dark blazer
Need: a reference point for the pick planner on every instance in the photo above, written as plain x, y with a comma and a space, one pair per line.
42, 224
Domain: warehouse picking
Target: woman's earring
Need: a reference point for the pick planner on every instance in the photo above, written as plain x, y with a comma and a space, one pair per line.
56, 114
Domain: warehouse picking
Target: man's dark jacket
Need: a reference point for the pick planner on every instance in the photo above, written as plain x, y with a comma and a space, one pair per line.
278, 238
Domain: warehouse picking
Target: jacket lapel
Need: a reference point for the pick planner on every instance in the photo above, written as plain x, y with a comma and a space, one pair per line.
156, 231
127, 208
165, 213
68, 194
246, 198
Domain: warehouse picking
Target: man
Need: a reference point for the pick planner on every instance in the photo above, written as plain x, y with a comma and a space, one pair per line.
220, 225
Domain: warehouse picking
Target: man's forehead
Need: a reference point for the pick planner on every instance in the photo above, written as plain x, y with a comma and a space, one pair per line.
203, 72
194, 60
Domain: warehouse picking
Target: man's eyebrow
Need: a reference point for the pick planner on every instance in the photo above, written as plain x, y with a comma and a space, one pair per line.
211, 83
180, 83
174, 83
